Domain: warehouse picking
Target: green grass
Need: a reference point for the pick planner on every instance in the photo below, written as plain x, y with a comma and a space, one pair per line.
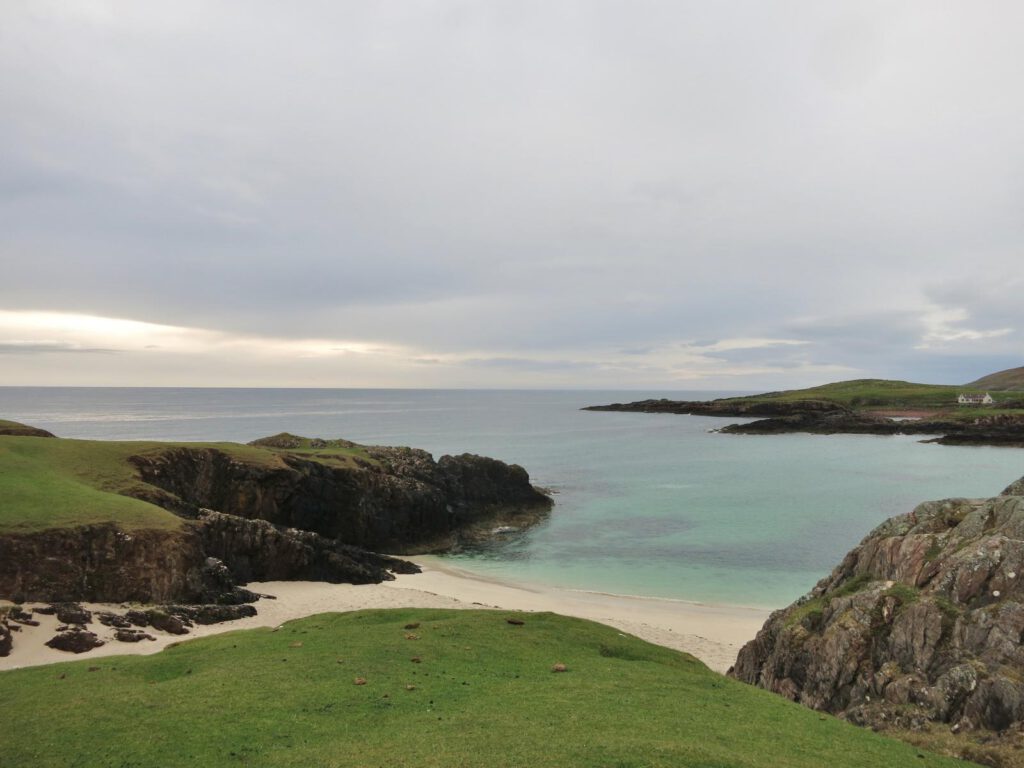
57, 483
484, 695
881, 393
53, 483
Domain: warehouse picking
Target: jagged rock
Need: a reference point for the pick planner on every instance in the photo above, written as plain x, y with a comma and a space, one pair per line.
926, 613
211, 614
6, 639
112, 620
291, 517
137, 618
165, 622
132, 635
399, 499
72, 613
75, 641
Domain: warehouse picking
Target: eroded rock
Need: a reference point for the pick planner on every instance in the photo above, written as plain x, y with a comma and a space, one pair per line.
75, 641
922, 622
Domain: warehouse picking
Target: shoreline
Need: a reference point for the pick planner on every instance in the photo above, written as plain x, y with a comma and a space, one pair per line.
712, 633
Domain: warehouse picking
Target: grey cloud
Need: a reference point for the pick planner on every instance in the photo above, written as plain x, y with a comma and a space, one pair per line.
16, 348
513, 178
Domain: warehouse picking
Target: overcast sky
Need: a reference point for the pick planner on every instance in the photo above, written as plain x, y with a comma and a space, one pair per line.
664, 195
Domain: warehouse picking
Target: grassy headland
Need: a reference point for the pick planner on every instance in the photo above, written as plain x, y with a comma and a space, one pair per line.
882, 393
862, 406
482, 693
55, 482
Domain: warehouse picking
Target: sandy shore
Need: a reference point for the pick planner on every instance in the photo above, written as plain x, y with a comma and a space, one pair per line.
712, 633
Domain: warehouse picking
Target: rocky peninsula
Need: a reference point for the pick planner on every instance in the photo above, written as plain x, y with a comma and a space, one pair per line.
919, 628
188, 523
863, 406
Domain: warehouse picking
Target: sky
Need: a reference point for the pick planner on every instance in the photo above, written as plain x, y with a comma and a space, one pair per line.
616, 195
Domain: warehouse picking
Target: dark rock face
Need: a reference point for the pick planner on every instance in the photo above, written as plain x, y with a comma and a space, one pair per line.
285, 517
405, 501
75, 641
103, 563
827, 418
255, 550
923, 621
166, 622
72, 613
199, 564
132, 635
23, 430
210, 614
6, 638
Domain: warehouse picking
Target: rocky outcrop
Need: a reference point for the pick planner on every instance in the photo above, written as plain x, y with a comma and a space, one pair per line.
726, 407
102, 563
922, 622
286, 508
823, 417
201, 563
255, 550
399, 501
74, 641
6, 638
15, 429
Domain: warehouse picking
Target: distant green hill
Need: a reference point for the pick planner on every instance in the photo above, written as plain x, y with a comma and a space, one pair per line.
463, 688
1009, 380
877, 393
57, 482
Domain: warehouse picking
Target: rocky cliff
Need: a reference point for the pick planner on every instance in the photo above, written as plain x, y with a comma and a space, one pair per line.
921, 623
400, 500
282, 510
201, 563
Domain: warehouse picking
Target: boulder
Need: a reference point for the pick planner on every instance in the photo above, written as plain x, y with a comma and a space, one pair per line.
132, 635
210, 614
75, 641
72, 613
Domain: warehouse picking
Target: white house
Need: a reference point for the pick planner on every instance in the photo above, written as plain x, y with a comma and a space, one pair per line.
965, 399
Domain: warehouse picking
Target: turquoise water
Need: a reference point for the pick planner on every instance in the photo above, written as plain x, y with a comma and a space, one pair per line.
645, 504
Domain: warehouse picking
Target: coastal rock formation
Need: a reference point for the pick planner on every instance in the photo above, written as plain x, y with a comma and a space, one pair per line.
6, 638
922, 622
74, 641
15, 429
201, 563
267, 513
102, 563
255, 550
824, 417
401, 500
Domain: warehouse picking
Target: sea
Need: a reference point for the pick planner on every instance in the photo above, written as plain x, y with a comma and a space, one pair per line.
645, 504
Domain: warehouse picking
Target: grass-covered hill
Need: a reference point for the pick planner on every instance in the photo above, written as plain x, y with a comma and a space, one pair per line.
138, 520
57, 483
463, 688
881, 393
1009, 380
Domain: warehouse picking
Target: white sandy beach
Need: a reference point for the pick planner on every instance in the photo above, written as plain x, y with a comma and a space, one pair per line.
712, 633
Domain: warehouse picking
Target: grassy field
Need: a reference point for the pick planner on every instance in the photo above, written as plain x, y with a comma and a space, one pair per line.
483, 694
882, 393
53, 482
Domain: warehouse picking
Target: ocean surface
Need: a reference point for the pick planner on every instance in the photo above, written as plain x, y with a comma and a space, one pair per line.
652, 505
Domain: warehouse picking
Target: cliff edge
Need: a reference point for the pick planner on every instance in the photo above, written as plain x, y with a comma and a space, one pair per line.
921, 624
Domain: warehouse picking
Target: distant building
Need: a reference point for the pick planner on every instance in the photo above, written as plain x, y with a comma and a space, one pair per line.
965, 399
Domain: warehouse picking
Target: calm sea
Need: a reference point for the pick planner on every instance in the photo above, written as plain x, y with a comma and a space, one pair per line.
646, 504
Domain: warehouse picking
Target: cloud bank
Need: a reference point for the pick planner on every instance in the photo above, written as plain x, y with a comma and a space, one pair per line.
735, 195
